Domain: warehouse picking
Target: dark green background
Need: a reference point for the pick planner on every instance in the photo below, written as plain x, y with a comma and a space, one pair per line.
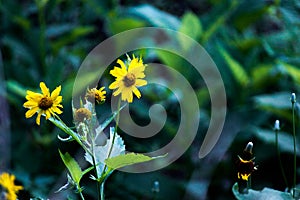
255, 45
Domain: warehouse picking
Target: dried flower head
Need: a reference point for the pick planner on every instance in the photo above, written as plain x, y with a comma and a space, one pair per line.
82, 114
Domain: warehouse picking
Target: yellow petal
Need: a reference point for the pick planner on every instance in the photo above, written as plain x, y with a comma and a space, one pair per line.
33, 95
127, 95
48, 113
115, 85
44, 89
118, 72
138, 71
117, 92
56, 110
122, 64
57, 100
38, 118
140, 82
30, 104
134, 64
102, 88
56, 92
31, 112
136, 92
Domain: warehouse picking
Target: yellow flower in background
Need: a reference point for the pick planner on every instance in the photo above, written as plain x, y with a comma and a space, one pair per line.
44, 104
94, 94
7, 182
128, 78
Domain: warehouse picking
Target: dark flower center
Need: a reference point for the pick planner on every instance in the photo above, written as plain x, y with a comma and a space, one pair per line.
129, 80
45, 103
82, 114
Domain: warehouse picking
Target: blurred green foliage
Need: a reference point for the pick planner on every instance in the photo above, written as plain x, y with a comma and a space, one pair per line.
255, 45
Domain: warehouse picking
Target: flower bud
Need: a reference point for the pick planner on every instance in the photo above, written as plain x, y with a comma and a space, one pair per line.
155, 188
249, 147
277, 125
293, 98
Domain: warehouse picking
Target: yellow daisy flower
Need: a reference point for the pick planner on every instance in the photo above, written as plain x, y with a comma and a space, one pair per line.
128, 78
94, 94
7, 182
43, 104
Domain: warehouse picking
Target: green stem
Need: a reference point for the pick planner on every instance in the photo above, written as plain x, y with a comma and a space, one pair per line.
102, 190
116, 127
249, 183
111, 148
295, 153
81, 195
60, 124
279, 158
95, 169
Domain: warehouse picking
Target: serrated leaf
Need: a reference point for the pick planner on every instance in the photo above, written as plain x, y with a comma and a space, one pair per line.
127, 159
102, 152
236, 68
73, 167
266, 193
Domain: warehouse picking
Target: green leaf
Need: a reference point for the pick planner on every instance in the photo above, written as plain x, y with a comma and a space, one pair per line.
285, 140
73, 36
190, 26
73, 167
260, 74
127, 159
277, 103
236, 68
67, 130
266, 193
117, 25
16, 88
87, 170
219, 22
280, 100
250, 14
293, 71
154, 16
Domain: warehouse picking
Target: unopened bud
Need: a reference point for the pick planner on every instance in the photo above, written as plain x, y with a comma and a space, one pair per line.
249, 147
277, 125
155, 187
293, 98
